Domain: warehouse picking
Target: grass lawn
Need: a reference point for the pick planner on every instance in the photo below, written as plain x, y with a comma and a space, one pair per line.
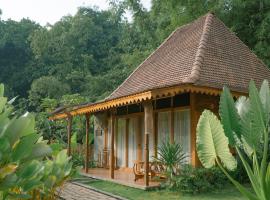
228, 193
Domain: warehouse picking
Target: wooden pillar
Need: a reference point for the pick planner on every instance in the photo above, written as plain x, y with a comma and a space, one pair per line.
116, 135
87, 150
126, 142
172, 127
105, 150
193, 124
155, 119
139, 138
172, 123
112, 162
148, 128
69, 129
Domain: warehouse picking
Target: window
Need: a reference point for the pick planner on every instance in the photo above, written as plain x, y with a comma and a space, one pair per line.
182, 131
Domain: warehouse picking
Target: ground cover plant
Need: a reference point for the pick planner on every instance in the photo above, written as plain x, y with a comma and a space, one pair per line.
227, 192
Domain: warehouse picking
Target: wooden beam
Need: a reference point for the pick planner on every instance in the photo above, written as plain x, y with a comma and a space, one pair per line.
87, 150
126, 142
69, 130
112, 159
148, 128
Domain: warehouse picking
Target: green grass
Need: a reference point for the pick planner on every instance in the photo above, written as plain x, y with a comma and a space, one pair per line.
228, 193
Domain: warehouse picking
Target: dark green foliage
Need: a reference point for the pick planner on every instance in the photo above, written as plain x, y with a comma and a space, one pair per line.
92, 52
88, 55
199, 180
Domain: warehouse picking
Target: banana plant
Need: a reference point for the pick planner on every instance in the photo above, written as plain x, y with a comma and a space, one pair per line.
243, 126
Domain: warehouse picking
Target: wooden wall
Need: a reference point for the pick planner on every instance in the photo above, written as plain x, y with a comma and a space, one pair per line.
198, 103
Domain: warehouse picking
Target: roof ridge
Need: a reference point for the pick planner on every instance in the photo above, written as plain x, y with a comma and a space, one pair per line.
145, 60
199, 57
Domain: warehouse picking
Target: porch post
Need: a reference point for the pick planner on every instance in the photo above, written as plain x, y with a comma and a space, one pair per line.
69, 127
172, 123
172, 127
193, 125
105, 150
87, 125
155, 119
112, 159
126, 142
148, 123
139, 139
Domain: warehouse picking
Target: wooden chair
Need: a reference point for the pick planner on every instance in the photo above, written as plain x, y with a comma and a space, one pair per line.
156, 169
138, 170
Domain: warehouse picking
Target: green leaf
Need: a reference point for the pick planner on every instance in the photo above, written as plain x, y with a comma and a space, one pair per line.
29, 170
17, 128
24, 148
229, 116
8, 182
254, 180
7, 170
265, 98
61, 157
2, 89
40, 150
4, 144
254, 119
74, 140
212, 144
247, 137
267, 181
31, 184
3, 101
20, 196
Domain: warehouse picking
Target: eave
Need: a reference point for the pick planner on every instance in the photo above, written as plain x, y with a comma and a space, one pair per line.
140, 97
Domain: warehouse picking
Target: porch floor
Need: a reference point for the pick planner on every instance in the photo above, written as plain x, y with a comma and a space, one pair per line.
121, 177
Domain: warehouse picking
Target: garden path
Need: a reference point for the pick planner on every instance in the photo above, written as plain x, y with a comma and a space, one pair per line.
73, 191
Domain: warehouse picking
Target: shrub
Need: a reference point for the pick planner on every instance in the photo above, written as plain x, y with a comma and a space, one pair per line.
198, 180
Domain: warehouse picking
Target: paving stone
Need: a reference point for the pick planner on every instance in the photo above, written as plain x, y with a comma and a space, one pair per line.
72, 191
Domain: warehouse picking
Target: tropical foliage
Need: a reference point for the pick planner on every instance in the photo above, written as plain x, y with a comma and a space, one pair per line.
244, 126
171, 155
199, 180
26, 170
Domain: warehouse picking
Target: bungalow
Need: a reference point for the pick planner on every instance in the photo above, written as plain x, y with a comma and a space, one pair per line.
164, 96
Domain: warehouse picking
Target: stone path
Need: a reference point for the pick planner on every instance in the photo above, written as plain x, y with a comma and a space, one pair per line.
73, 191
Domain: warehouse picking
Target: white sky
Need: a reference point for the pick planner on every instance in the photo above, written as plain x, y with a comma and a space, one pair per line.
43, 11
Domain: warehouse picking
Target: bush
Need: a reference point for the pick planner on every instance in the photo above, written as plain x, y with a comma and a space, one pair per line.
198, 180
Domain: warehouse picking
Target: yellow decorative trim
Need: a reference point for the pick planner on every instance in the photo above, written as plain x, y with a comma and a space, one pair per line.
105, 105
154, 94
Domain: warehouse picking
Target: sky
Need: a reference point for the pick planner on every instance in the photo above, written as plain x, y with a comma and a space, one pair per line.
48, 11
